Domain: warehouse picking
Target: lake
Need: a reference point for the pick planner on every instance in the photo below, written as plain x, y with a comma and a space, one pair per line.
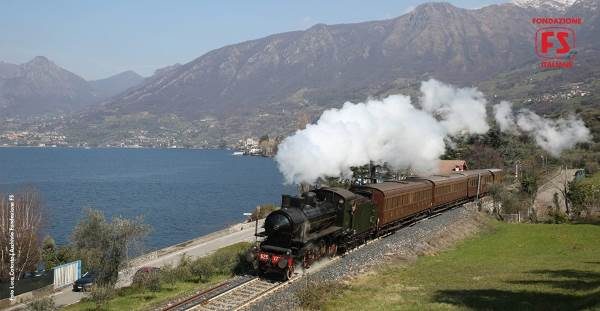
181, 193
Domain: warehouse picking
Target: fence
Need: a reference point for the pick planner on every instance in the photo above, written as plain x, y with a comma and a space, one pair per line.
67, 274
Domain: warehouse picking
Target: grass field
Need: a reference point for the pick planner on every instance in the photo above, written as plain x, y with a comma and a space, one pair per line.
507, 267
133, 299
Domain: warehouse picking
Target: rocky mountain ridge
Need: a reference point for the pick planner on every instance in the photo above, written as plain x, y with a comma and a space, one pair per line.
41, 87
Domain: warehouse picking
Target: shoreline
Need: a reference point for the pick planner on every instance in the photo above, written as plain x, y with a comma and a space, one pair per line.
112, 147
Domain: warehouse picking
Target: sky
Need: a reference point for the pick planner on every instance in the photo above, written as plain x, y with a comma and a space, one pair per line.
96, 39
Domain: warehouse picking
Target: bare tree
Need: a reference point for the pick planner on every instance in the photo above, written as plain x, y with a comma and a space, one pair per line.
27, 218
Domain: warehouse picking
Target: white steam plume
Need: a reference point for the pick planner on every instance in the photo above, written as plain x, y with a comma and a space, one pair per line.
504, 117
554, 136
462, 109
391, 130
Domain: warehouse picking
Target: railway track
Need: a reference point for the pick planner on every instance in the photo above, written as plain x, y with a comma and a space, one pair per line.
234, 294
241, 296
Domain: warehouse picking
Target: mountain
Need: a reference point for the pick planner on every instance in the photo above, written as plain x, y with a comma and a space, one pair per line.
113, 85
8, 70
40, 86
325, 63
270, 85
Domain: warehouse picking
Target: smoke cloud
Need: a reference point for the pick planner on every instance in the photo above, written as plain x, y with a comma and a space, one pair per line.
554, 136
391, 131
504, 117
396, 132
462, 109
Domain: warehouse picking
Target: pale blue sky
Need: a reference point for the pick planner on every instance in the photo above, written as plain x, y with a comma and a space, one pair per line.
96, 39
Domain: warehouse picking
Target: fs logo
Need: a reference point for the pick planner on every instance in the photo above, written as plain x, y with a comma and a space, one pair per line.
554, 42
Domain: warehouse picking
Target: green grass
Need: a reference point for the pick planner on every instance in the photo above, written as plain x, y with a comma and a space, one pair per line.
129, 298
513, 266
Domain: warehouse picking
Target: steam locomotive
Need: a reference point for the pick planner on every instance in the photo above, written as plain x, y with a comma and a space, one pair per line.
328, 221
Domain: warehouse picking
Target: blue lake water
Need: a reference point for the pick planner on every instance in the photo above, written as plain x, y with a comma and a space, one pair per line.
182, 194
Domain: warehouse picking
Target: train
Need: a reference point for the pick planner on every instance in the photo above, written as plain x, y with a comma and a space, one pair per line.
327, 221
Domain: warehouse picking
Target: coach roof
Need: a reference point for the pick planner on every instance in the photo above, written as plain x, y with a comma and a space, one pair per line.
403, 185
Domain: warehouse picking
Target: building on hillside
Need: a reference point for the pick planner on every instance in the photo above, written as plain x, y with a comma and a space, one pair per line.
446, 167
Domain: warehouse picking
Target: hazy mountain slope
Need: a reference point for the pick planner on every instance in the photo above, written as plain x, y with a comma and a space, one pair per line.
8, 70
40, 86
269, 85
435, 39
113, 85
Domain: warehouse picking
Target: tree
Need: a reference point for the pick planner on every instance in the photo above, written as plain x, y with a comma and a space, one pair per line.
90, 239
584, 195
562, 185
54, 255
482, 156
104, 247
529, 180
27, 217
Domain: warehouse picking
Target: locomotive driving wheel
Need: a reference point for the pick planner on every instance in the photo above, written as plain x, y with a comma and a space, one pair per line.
289, 273
332, 250
308, 259
322, 248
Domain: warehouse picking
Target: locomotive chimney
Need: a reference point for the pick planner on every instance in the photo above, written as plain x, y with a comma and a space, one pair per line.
309, 198
285, 201
372, 172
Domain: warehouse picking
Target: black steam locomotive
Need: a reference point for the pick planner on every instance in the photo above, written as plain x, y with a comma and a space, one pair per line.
326, 221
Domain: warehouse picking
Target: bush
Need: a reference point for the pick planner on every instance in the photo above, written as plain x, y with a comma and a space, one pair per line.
168, 275
225, 261
147, 281
592, 167
315, 294
231, 259
183, 271
101, 296
42, 304
204, 268
262, 211
557, 217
